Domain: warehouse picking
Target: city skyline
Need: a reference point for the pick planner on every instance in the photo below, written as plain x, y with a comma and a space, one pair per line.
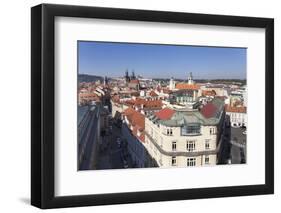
149, 60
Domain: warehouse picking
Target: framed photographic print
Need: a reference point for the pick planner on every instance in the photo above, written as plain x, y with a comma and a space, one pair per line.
139, 106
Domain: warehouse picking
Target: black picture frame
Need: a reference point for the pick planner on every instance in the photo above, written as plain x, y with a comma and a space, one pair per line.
43, 102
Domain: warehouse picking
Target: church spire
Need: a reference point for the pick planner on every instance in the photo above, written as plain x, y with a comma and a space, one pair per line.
190, 78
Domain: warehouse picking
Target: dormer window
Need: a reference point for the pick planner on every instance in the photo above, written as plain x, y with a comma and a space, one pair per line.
191, 129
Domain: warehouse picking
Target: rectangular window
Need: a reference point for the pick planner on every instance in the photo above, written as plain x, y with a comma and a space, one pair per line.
174, 161
191, 161
191, 129
207, 144
212, 131
174, 146
169, 131
190, 146
207, 159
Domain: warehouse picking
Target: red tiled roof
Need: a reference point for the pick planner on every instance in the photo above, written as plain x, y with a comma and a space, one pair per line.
137, 120
187, 86
128, 111
130, 102
89, 96
153, 94
208, 93
208, 110
134, 93
167, 91
135, 81
241, 109
165, 114
145, 103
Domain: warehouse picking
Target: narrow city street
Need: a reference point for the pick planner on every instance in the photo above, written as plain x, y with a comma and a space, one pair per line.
113, 155
233, 149
238, 146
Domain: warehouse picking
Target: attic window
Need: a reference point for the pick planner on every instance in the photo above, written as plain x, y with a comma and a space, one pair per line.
191, 129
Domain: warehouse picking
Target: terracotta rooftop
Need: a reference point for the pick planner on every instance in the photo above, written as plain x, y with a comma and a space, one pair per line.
208, 93
88, 95
135, 93
148, 103
135, 81
137, 121
153, 94
165, 114
187, 86
242, 109
167, 91
135, 117
145, 103
209, 110
129, 111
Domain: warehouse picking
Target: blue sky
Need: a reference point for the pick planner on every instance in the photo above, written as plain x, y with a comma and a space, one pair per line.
161, 61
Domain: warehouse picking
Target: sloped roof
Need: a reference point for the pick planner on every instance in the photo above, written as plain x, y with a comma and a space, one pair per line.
137, 121
209, 110
165, 114
135, 118
146, 103
241, 109
135, 81
128, 111
187, 86
210, 114
153, 94
209, 93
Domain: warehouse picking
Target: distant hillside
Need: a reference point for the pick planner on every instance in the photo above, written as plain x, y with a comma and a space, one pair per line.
223, 81
88, 78
215, 81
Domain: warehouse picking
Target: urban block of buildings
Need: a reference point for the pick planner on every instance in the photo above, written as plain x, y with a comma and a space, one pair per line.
163, 124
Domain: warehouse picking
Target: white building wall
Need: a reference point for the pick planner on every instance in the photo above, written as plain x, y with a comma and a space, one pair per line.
117, 107
237, 119
135, 147
165, 142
